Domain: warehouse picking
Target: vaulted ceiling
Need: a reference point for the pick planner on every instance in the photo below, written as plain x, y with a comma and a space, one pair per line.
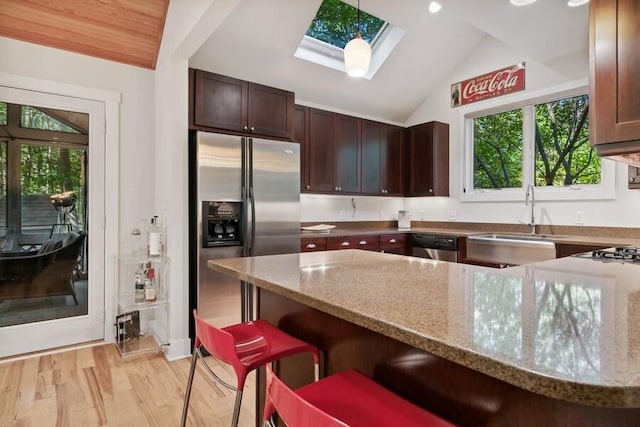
117, 30
256, 41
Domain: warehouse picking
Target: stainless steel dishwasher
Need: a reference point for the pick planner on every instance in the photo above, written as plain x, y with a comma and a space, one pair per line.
443, 248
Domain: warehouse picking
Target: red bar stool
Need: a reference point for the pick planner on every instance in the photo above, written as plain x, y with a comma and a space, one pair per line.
245, 346
344, 399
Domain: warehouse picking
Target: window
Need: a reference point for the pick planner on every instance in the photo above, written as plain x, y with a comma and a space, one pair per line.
332, 28
35, 118
544, 142
335, 22
42, 154
3, 113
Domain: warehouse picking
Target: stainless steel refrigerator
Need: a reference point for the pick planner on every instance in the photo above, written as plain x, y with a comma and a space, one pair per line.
244, 201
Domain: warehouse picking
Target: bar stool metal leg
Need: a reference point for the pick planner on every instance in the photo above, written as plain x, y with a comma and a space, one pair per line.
187, 396
236, 409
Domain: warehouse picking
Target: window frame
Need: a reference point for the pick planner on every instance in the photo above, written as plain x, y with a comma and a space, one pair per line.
605, 190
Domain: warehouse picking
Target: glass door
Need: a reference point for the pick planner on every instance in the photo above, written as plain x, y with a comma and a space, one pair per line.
51, 233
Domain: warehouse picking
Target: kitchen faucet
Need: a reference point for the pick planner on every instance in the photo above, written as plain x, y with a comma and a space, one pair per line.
532, 222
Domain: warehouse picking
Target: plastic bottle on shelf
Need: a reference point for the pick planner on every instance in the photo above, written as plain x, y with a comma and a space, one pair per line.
155, 246
139, 284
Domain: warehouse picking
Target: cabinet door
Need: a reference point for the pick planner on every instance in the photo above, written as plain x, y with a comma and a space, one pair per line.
392, 158
346, 154
220, 101
372, 136
301, 136
614, 74
429, 175
320, 151
270, 111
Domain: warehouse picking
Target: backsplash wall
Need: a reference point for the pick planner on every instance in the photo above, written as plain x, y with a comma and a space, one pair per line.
329, 208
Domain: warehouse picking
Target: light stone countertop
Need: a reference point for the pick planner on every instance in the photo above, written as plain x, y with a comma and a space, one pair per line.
556, 238
566, 328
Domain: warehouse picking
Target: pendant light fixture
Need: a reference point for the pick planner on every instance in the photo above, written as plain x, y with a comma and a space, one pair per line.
357, 53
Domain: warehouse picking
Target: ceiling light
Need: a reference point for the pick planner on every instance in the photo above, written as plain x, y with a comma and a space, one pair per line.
357, 53
574, 3
521, 2
434, 7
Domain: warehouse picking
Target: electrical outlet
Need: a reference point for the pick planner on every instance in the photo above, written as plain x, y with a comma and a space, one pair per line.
422, 215
579, 217
453, 215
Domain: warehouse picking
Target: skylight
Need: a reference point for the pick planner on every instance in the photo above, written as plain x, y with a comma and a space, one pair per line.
332, 28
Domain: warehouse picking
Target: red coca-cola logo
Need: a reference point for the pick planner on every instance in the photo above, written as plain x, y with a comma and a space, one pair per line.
496, 83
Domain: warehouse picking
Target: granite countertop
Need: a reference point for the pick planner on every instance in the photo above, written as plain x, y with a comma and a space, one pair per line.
559, 239
566, 328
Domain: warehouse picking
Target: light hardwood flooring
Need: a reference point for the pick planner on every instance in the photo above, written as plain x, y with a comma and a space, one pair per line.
95, 387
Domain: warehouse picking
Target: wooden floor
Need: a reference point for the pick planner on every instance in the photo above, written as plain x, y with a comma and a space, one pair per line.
95, 387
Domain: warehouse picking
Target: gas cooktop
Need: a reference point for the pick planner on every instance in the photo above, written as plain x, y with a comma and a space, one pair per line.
626, 253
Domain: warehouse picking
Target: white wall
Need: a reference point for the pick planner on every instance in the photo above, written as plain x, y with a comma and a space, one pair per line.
491, 55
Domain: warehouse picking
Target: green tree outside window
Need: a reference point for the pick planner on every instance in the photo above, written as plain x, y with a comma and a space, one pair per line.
335, 23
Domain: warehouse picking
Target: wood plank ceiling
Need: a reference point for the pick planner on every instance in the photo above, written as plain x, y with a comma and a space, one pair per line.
127, 31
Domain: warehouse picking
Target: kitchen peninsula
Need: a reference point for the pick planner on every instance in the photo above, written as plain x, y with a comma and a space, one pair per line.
555, 343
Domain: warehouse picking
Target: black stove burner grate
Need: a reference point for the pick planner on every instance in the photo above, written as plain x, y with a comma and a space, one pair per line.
627, 253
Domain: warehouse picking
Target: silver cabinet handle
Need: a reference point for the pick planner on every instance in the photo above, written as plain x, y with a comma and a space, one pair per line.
245, 128
392, 241
336, 188
307, 187
252, 129
311, 246
431, 190
362, 242
345, 244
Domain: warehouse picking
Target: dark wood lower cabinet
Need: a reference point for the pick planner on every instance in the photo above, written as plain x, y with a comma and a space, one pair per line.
455, 392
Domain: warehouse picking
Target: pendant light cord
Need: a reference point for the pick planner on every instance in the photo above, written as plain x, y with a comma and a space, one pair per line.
358, 27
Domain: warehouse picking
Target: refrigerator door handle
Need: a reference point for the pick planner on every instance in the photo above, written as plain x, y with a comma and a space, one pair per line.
252, 201
253, 221
244, 197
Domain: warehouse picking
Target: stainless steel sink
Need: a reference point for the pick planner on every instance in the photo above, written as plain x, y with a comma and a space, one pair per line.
510, 249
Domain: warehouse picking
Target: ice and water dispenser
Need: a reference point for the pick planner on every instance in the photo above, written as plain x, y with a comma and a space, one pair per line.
221, 224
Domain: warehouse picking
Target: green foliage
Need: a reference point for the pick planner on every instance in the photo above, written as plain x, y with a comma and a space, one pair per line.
3, 113
50, 170
336, 22
498, 150
563, 155
35, 119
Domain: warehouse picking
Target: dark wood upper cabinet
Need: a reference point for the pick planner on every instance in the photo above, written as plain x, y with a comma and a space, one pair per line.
320, 151
346, 154
382, 159
228, 104
372, 136
393, 173
429, 159
614, 120
301, 136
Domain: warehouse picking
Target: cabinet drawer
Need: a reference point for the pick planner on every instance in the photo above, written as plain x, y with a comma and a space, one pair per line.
388, 241
370, 243
312, 244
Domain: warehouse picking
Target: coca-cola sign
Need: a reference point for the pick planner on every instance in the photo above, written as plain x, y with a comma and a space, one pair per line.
496, 83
